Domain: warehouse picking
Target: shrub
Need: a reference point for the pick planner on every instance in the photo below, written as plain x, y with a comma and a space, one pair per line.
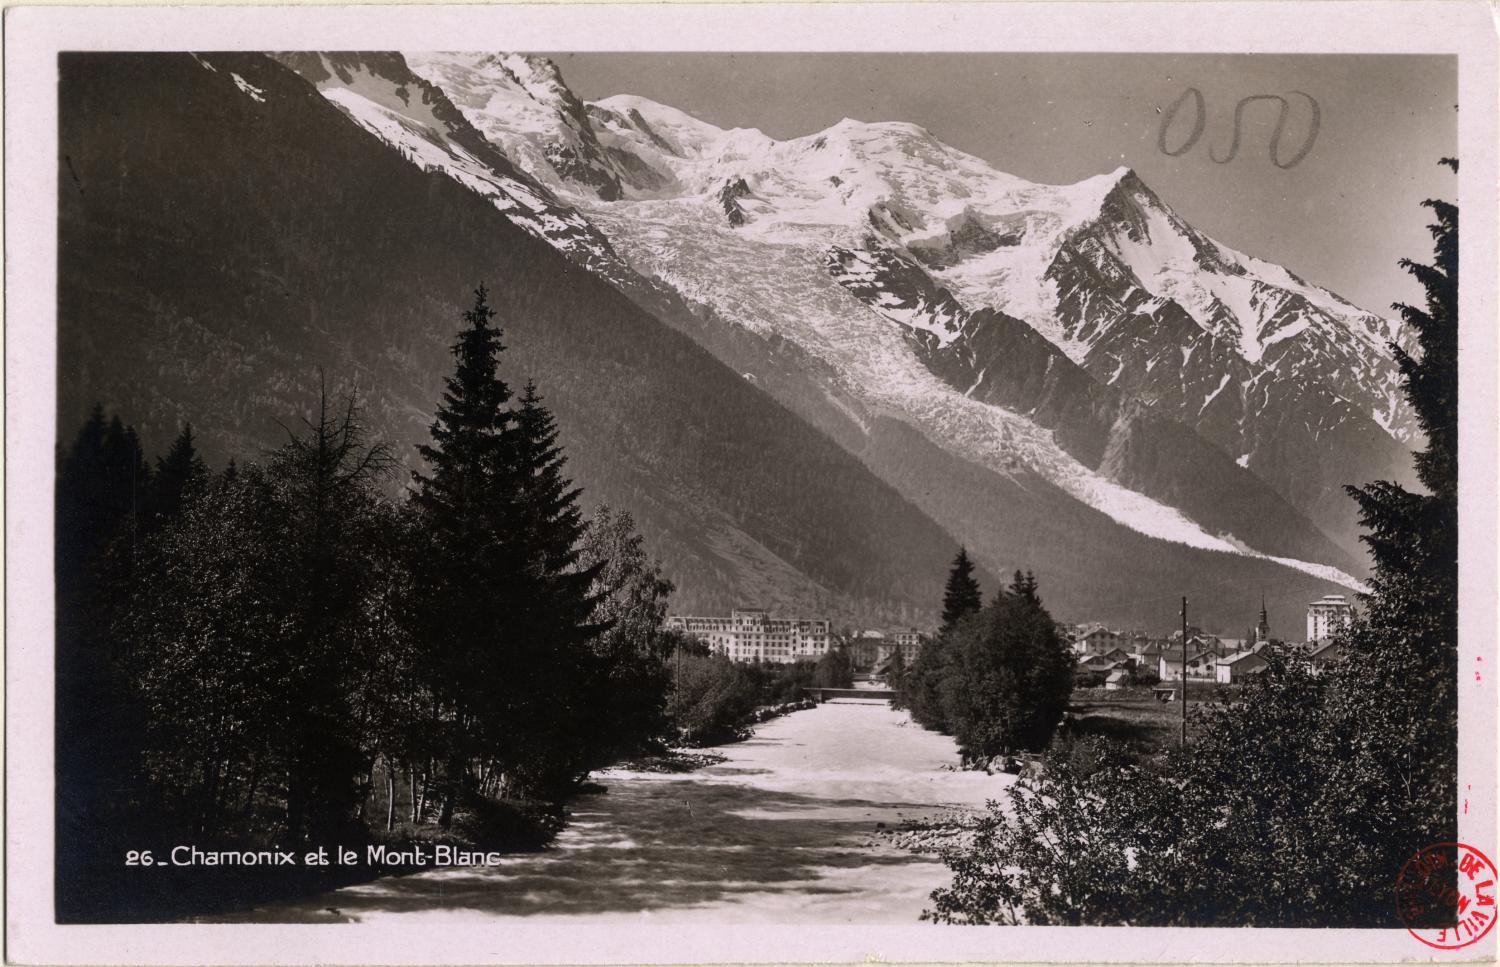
998, 678
711, 695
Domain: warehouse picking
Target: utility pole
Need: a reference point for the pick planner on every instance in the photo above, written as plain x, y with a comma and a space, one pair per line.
1184, 673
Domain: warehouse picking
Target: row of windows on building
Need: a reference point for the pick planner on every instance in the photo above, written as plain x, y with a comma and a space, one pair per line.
751, 635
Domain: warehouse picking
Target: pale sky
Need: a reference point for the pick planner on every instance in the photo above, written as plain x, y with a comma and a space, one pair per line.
1341, 217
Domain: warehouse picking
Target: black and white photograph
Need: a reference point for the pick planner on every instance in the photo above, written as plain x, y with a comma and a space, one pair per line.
528, 478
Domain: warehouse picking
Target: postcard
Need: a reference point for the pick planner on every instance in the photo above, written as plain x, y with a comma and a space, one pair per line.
751, 483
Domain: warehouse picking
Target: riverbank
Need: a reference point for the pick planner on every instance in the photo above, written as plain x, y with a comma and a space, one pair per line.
787, 828
165, 877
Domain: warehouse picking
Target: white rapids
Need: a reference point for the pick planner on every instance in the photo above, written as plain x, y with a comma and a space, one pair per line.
783, 831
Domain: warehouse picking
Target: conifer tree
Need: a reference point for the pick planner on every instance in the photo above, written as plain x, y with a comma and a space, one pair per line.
503, 603
896, 675
178, 474
1413, 538
1008, 676
468, 449
127, 475
468, 574
101, 492
80, 518
549, 520
1406, 648
961, 596
1024, 587
555, 601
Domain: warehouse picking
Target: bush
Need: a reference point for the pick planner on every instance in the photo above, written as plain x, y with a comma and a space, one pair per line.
921, 687
711, 696
998, 679
1089, 678
1184, 840
788, 682
834, 670
1009, 679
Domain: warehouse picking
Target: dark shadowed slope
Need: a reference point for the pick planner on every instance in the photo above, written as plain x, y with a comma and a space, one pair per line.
225, 231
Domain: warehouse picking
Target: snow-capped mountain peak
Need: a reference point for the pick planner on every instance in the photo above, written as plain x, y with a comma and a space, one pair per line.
1104, 268
380, 93
1134, 316
632, 119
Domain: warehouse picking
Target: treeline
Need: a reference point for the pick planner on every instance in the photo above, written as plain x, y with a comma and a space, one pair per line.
996, 677
1299, 800
258, 648
714, 699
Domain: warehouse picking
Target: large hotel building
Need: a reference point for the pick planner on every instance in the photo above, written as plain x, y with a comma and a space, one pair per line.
1327, 616
756, 636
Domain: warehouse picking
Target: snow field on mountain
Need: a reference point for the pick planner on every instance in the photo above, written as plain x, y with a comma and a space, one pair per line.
419, 140
987, 236
255, 93
409, 125
895, 180
769, 289
917, 190
501, 106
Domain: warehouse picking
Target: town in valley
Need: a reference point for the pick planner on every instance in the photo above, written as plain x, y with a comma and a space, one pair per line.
1113, 659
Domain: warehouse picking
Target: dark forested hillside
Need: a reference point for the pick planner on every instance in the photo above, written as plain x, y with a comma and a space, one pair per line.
224, 232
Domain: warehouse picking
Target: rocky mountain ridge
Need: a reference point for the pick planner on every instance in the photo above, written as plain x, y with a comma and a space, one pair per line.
889, 195
1292, 382
846, 369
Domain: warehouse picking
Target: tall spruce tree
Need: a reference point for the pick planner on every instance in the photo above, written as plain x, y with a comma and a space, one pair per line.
896, 674
1406, 649
1008, 678
1024, 587
467, 455
554, 603
1413, 538
961, 596
101, 492
501, 599
126, 473
467, 570
550, 522
81, 518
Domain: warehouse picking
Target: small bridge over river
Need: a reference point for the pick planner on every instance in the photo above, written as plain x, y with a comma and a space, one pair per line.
851, 694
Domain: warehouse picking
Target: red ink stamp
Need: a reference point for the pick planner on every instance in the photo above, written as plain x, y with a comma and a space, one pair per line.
1446, 895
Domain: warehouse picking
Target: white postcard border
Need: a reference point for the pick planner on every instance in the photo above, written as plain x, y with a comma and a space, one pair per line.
34, 36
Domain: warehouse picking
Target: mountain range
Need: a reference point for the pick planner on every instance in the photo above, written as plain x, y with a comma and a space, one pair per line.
811, 367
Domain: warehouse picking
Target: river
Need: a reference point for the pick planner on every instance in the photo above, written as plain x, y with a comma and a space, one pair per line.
785, 830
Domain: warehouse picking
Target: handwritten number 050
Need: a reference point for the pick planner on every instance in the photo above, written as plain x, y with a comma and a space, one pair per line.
1200, 118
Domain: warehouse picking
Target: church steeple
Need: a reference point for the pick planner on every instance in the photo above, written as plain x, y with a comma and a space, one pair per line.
1263, 626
